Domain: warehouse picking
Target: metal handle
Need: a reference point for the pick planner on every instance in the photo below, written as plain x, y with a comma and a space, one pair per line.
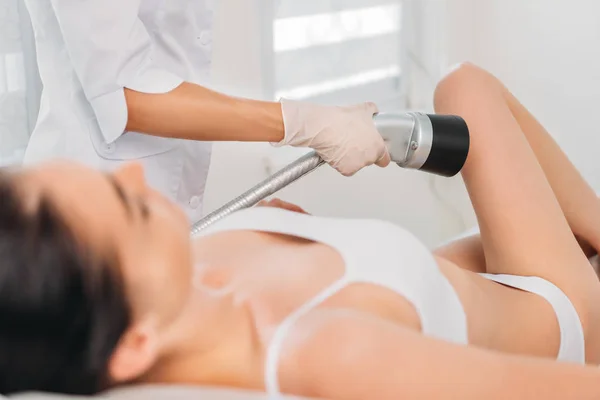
282, 178
430, 143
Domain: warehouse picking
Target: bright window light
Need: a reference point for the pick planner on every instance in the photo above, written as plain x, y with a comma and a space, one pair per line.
12, 66
299, 32
316, 89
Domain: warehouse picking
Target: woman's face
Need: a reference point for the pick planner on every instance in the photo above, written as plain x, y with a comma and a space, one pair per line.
119, 214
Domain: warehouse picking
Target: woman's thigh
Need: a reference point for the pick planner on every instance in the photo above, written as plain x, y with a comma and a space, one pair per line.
523, 229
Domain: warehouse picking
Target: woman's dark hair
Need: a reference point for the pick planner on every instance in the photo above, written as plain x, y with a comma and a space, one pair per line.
62, 309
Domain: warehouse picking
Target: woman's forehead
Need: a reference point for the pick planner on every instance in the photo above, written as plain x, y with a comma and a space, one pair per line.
83, 196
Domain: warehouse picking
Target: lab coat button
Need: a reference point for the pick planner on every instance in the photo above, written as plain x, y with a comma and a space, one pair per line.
195, 202
110, 148
205, 38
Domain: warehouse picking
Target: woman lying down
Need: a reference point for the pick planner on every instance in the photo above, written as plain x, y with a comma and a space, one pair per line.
98, 288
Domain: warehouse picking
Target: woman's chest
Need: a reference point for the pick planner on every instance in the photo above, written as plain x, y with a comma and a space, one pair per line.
277, 277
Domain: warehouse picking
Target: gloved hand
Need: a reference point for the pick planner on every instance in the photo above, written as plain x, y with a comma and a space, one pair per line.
345, 137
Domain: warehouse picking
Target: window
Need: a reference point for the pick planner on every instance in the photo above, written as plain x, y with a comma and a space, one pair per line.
19, 81
338, 52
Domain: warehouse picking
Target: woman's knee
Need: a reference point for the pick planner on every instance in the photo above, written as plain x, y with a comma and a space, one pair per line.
462, 85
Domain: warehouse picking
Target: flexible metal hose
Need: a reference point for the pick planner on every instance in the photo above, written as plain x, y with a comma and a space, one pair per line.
264, 189
432, 143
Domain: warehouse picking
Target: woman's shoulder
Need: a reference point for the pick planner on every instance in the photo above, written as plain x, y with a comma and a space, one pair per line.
325, 345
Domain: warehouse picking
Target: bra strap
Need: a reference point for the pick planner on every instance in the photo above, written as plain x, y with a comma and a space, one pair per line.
277, 341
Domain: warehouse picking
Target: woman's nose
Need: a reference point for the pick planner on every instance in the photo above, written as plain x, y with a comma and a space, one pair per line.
131, 175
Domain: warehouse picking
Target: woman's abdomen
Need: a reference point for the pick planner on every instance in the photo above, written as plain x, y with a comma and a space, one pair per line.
503, 318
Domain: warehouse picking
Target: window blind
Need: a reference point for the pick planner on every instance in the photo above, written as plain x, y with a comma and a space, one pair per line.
338, 51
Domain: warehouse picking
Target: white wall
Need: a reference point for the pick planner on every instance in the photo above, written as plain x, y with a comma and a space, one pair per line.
546, 51
237, 70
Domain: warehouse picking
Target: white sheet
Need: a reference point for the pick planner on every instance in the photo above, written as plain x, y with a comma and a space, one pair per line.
162, 393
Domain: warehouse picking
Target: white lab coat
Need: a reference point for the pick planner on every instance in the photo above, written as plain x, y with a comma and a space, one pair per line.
88, 51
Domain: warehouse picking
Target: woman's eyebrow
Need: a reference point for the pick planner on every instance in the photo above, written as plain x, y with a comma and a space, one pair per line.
120, 194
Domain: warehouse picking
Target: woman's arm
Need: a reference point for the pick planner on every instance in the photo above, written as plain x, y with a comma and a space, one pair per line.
111, 51
345, 137
278, 203
357, 357
194, 112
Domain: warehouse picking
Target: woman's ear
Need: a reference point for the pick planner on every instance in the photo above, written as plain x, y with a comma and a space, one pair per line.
136, 352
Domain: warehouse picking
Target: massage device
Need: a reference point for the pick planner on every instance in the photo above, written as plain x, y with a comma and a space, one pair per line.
437, 144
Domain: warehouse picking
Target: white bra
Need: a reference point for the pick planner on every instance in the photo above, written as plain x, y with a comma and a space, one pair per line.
383, 254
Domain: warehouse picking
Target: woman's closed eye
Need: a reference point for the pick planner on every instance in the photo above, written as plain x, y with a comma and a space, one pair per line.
140, 206
144, 209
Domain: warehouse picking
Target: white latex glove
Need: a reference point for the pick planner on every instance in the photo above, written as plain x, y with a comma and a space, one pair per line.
345, 137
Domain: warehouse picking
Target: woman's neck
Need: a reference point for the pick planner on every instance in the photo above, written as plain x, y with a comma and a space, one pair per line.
214, 342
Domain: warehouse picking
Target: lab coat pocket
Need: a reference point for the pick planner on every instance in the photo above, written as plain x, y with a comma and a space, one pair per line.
130, 145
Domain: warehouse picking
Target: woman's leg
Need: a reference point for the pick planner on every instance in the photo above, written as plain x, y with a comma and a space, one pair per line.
578, 201
524, 230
